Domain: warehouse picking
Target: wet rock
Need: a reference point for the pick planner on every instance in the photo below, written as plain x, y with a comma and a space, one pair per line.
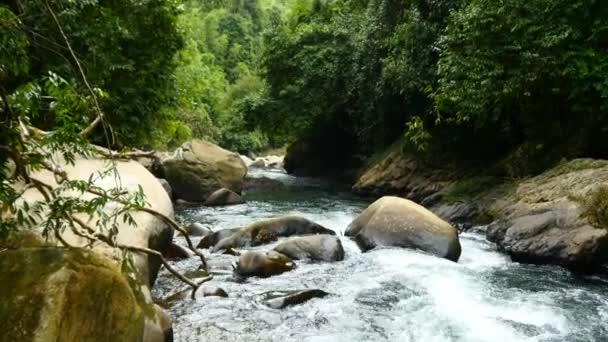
252, 264
314, 247
269, 230
223, 196
197, 229
166, 186
232, 251
209, 291
262, 184
268, 162
198, 168
457, 213
209, 240
394, 221
178, 252
180, 201
282, 299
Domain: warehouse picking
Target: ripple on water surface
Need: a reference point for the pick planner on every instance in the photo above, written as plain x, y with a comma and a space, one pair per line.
386, 294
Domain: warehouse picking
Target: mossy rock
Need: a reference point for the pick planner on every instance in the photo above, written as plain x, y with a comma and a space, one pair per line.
59, 294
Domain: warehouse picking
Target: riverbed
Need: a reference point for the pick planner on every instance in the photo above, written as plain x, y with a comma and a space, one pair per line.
386, 294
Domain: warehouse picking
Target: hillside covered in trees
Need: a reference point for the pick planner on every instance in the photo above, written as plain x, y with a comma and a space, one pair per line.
481, 80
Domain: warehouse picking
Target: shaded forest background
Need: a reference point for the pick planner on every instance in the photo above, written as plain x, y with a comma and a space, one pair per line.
474, 82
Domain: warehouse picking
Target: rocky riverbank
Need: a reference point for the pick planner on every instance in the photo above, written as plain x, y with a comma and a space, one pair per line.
543, 219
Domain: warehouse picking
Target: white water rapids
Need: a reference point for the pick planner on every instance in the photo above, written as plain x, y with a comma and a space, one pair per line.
385, 294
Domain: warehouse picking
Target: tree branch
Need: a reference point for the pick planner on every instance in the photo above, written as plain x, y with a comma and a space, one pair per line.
100, 115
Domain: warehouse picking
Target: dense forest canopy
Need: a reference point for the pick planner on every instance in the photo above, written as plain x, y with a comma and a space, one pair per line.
479, 79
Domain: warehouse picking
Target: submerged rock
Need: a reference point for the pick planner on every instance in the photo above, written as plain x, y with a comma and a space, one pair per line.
315, 247
211, 291
394, 221
269, 230
252, 264
178, 252
73, 294
268, 162
198, 168
262, 184
223, 196
283, 299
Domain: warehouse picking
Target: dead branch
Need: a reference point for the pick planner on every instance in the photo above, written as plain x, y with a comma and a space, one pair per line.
95, 236
100, 115
62, 177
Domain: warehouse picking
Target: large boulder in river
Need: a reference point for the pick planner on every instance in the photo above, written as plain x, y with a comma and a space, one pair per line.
269, 230
254, 264
73, 294
394, 221
198, 168
149, 231
223, 196
314, 247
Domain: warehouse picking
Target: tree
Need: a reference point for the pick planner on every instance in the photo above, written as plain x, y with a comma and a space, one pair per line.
27, 149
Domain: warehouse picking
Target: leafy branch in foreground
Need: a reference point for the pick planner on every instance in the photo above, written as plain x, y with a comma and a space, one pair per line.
26, 152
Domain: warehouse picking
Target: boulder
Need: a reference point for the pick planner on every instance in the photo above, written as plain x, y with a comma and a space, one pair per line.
149, 231
209, 240
73, 294
198, 168
178, 252
254, 264
262, 184
246, 160
210, 291
314, 247
197, 229
268, 162
394, 221
402, 174
269, 230
283, 299
166, 186
223, 196
259, 163
542, 221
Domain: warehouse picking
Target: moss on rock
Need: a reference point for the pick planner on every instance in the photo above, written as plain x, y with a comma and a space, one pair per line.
59, 294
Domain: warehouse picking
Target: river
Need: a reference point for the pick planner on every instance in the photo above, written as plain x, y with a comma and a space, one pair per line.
383, 295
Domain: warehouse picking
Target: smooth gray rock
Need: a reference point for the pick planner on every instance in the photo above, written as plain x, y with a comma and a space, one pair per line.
313, 247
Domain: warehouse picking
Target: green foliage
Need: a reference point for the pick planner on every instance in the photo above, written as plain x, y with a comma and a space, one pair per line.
533, 69
13, 46
217, 70
126, 48
595, 207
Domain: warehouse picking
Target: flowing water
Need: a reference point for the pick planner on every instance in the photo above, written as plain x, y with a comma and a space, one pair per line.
383, 295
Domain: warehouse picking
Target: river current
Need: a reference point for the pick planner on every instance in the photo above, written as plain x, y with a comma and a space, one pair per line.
386, 294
